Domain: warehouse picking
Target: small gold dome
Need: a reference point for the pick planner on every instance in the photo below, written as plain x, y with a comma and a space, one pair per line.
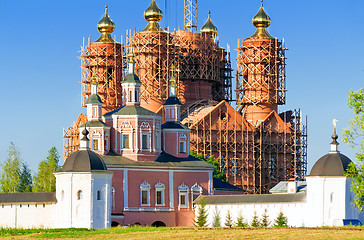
105, 27
209, 27
153, 15
153, 12
261, 21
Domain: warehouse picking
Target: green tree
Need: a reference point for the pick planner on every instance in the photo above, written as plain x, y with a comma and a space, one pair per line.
217, 173
44, 180
265, 219
217, 219
10, 174
240, 221
281, 220
201, 219
26, 181
228, 219
255, 221
354, 136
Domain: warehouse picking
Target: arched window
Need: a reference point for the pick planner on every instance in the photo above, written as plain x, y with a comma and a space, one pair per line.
183, 144
62, 195
183, 196
145, 194
159, 194
99, 195
79, 195
196, 191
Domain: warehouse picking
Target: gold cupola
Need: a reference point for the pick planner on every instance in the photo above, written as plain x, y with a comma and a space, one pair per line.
153, 15
209, 28
261, 21
106, 26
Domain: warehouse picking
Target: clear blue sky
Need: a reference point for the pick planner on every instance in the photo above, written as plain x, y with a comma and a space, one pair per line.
40, 71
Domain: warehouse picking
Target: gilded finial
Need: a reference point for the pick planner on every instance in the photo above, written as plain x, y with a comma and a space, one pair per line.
334, 121
131, 57
261, 21
105, 26
153, 14
209, 28
93, 80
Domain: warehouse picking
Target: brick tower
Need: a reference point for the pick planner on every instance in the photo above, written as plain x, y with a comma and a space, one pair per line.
261, 73
103, 59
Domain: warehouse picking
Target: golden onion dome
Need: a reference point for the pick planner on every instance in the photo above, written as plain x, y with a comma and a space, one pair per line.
105, 27
153, 12
209, 27
153, 15
261, 21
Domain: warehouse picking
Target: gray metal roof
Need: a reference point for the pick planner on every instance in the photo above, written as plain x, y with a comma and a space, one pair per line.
94, 123
42, 197
131, 78
173, 125
252, 198
94, 99
164, 160
132, 110
281, 187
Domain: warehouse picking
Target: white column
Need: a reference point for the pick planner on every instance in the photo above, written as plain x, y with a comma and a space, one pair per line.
171, 191
210, 182
125, 187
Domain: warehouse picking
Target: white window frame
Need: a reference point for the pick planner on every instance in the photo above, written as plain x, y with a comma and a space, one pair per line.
145, 186
141, 140
183, 190
195, 190
182, 139
122, 141
159, 187
98, 144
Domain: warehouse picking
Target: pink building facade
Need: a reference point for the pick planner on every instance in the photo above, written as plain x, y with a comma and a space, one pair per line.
155, 179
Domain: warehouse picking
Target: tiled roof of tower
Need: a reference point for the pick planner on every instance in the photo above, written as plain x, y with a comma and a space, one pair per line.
93, 99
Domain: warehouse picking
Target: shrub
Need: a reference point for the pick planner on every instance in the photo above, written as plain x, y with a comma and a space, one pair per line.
281, 220
228, 219
201, 219
255, 221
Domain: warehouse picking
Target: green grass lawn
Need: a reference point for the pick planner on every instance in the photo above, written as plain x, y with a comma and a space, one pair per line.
186, 233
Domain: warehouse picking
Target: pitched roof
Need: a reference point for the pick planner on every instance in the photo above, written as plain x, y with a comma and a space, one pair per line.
93, 99
131, 78
132, 110
172, 101
238, 122
164, 160
282, 187
278, 124
173, 125
41, 197
224, 186
252, 198
94, 123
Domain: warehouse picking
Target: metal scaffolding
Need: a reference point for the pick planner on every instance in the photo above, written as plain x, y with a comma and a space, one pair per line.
190, 15
105, 62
